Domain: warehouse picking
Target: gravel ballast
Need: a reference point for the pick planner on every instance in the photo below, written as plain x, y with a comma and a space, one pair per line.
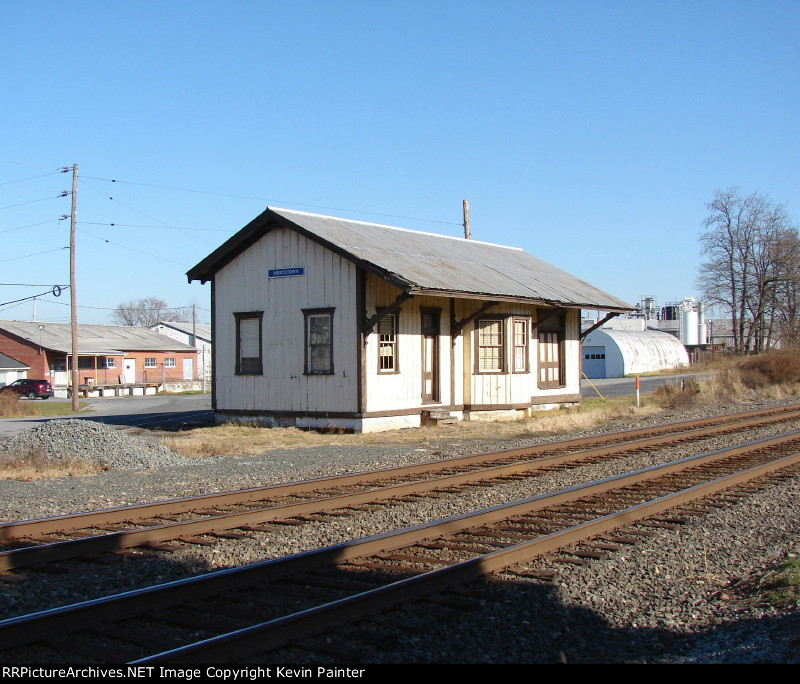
669, 598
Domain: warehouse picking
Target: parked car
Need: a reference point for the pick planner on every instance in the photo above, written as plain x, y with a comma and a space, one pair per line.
30, 387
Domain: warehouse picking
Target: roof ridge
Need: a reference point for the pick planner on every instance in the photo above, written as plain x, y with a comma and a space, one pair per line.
383, 225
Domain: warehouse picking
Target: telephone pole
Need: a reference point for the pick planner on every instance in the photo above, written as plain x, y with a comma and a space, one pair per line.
72, 294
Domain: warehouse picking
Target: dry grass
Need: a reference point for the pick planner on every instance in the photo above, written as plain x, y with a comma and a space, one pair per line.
11, 406
773, 375
245, 439
35, 466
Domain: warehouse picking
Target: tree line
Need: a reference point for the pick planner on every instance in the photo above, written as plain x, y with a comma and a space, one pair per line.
752, 269
148, 312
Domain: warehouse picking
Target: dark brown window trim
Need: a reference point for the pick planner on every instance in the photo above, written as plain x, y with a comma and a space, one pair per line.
503, 353
396, 370
257, 368
307, 313
527, 346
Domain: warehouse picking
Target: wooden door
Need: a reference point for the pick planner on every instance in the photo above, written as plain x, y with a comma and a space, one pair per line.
430, 356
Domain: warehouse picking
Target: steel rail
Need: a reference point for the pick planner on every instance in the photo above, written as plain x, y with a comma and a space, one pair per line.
30, 628
16, 530
16, 559
282, 631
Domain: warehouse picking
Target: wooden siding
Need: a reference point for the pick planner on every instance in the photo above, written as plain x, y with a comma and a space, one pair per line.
572, 359
403, 390
243, 285
506, 388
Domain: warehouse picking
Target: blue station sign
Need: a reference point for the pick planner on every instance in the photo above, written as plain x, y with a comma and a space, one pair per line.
286, 272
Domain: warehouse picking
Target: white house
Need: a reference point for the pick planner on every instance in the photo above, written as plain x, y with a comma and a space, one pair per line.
11, 370
197, 335
326, 322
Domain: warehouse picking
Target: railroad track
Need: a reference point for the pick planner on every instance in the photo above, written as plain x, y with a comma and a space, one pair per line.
231, 515
247, 612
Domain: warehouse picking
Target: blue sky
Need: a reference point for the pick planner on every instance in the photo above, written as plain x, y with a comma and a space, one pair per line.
592, 134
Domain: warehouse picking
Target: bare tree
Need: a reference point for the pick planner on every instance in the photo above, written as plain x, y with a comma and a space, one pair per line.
147, 312
746, 243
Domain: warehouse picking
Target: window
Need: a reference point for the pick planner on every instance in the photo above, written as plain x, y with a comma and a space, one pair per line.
249, 343
520, 345
85, 363
109, 362
319, 341
150, 362
387, 344
490, 345
169, 362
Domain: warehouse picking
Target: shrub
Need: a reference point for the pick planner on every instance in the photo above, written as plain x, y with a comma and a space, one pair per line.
11, 406
679, 395
775, 367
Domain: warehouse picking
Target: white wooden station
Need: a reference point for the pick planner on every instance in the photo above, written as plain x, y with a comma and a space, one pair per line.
331, 323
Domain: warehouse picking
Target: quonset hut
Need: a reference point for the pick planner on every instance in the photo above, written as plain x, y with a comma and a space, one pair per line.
617, 350
326, 322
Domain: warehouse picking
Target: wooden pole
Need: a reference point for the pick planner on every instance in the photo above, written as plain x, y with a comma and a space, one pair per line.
467, 233
72, 292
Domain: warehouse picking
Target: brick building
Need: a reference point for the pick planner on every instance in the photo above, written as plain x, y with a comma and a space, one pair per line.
107, 354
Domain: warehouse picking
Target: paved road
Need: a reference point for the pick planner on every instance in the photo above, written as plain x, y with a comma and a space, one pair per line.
147, 411
619, 387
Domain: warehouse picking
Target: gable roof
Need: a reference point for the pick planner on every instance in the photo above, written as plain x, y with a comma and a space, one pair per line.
111, 340
424, 263
202, 330
8, 363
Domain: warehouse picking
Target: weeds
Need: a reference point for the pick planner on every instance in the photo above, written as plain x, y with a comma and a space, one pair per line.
11, 406
34, 465
779, 367
783, 588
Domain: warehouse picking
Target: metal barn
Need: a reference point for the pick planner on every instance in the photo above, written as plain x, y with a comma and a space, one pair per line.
322, 322
615, 353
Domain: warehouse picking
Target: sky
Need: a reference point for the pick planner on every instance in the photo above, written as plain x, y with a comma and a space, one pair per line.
591, 134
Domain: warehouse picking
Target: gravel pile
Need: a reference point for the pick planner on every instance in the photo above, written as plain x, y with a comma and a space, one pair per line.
57, 441
669, 598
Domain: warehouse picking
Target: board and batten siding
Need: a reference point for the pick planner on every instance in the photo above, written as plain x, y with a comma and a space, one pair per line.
243, 286
505, 388
403, 389
572, 358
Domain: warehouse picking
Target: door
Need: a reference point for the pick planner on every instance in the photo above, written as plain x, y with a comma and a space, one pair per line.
430, 357
594, 362
188, 369
129, 371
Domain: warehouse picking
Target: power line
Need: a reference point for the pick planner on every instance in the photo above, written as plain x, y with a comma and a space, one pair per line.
30, 225
58, 249
20, 180
43, 199
269, 201
140, 225
30, 285
141, 212
114, 308
133, 249
24, 299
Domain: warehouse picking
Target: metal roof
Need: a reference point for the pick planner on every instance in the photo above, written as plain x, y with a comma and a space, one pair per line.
202, 330
94, 340
425, 263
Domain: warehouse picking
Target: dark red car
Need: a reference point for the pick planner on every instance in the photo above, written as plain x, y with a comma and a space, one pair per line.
30, 388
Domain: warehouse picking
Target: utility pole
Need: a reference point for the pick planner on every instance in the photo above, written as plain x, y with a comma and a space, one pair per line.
72, 294
194, 337
467, 233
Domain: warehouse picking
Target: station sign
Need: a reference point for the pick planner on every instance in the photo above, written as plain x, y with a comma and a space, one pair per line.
286, 272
